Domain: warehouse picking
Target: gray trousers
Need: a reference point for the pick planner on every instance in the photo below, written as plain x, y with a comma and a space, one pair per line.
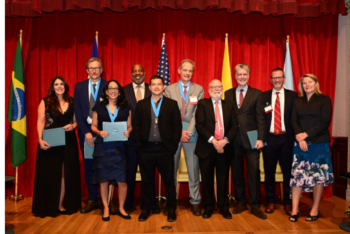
192, 168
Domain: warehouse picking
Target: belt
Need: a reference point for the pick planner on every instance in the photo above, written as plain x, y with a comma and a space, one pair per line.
155, 142
281, 133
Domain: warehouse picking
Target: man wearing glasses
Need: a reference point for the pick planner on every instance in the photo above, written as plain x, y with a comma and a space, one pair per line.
279, 137
249, 107
86, 93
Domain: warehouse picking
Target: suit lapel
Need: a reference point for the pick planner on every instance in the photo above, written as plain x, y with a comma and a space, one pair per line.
163, 106
178, 95
235, 99
211, 109
189, 94
225, 111
85, 90
147, 91
132, 94
246, 98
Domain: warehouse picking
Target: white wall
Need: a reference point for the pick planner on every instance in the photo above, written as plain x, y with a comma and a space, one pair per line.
341, 110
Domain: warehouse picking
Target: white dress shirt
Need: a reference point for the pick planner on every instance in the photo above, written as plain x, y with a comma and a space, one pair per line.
273, 100
238, 93
187, 87
142, 88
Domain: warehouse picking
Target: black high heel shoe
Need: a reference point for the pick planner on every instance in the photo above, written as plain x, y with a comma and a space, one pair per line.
295, 217
312, 218
123, 216
62, 212
105, 218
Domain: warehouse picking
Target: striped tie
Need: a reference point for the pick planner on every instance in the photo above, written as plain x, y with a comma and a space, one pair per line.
277, 118
184, 104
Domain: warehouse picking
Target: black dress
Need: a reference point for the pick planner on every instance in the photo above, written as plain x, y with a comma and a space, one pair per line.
48, 172
110, 161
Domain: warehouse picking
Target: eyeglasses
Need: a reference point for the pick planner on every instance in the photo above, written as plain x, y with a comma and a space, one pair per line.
276, 78
113, 89
94, 68
215, 87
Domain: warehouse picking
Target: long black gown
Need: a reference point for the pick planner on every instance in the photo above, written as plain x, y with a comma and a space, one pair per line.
48, 172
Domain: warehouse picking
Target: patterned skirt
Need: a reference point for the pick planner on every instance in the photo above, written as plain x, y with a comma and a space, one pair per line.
312, 167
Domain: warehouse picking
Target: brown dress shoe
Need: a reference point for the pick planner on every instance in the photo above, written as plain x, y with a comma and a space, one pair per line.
112, 209
288, 209
90, 206
196, 211
270, 208
239, 209
258, 213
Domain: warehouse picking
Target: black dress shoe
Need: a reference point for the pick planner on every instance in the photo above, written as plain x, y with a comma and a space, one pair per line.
144, 215
196, 211
225, 213
155, 209
123, 216
258, 213
62, 212
171, 216
239, 209
90, 206
105, 218
207, 213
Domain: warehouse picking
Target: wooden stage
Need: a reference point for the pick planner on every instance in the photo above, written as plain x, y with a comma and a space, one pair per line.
19, 218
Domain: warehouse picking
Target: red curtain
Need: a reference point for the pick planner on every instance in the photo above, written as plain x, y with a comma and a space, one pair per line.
60, 43
298, 8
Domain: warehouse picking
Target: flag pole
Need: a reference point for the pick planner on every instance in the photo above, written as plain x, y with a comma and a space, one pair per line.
288, 38
160, 197
96, 38
16, 196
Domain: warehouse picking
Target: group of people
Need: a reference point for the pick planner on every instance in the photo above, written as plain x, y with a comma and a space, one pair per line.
161, 121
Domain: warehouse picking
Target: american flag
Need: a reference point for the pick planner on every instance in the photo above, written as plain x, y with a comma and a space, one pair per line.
163, 66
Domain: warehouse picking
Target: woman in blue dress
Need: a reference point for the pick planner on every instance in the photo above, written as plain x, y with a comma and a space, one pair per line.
110, 162
312, 166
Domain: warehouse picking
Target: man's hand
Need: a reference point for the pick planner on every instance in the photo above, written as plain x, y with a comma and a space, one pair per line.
259, 144
185, 137
303, 146
219, 145
220, 151
89, 139
103, 134
301, 136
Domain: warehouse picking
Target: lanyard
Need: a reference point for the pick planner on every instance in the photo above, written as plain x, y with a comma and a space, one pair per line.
94, 94
156, 110
112, 117
182, 92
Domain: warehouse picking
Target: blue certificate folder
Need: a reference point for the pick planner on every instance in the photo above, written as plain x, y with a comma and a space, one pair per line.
54, 136
253, 137
116, 131
88, 150
192, 138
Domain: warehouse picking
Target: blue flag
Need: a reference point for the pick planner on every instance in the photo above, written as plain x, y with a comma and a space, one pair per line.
94, 52
163, 66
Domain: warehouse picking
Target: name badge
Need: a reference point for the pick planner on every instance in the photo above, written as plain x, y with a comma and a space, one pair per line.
193, 100
89, 120
268, 109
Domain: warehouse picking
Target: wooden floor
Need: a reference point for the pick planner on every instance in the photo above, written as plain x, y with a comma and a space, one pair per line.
19, 218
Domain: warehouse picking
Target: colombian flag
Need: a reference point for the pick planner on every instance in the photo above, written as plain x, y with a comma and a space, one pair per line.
17, 112
226, 71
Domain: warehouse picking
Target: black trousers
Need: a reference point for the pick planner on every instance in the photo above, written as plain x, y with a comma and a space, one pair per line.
279, 148
222, 164
150, 155
253, 174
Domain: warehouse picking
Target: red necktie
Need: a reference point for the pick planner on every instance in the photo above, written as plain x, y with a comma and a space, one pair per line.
241, 97
184, 104
219, 133
277, 118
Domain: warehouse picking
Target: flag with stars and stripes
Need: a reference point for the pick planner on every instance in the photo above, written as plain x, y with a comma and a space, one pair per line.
163, 66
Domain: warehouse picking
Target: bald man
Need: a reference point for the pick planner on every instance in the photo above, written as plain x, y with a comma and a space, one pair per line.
216, 125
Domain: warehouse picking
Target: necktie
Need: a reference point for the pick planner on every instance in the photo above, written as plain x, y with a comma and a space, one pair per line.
92, 101
277, 117
138, 93
241, 97
219, 133
184, 104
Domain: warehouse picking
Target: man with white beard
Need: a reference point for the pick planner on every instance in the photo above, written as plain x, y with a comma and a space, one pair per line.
216, 124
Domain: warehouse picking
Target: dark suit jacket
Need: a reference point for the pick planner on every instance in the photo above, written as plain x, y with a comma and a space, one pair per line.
205, 126
289, 97
169, 123
82, 104
251, 115
313, 117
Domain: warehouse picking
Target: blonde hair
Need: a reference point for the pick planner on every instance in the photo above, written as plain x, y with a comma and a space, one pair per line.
186, 61
242, 66
314, 78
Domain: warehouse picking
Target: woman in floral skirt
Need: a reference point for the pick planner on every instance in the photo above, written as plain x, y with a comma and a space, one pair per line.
312, 166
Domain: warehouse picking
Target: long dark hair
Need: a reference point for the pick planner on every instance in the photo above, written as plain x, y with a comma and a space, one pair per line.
52, 104
121, 102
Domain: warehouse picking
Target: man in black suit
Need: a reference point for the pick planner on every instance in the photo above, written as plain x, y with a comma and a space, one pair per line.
137, 90
216, 124
86, 93
157, 132
249, 107
279, 137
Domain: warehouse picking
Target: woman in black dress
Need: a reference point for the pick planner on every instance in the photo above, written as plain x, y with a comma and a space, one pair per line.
110, 162
57, 171
312, 165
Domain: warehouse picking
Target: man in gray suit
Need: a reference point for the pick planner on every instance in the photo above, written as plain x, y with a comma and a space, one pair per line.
187, 94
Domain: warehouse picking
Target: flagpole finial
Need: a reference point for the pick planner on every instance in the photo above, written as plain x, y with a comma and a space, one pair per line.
226, 35
20, 37
163, 35
288, 38
96, 33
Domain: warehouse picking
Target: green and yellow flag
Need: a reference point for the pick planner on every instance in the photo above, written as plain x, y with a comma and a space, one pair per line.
17, 112
226, 71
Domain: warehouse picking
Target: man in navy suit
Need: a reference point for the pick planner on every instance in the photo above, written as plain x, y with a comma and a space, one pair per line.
137, 90
279, 136
86, 93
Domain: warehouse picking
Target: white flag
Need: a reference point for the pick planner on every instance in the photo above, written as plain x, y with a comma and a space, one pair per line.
288, 72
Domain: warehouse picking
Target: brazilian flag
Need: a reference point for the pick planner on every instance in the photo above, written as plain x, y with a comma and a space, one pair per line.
17, 112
